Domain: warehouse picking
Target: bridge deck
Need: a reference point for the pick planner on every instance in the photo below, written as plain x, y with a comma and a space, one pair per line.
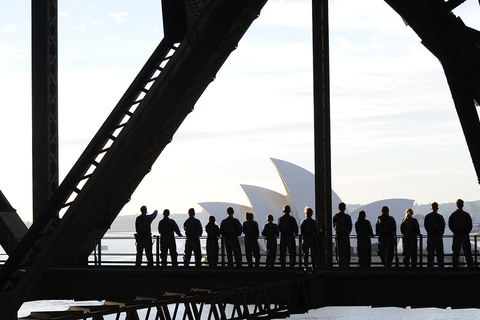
421, 287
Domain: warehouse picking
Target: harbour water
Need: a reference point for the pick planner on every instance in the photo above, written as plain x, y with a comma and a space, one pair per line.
329, 313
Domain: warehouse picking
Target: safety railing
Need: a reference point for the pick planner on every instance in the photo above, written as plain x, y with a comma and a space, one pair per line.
421, 253
121, 250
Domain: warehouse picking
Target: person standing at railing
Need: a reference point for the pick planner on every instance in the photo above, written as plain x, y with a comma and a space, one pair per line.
342, 223
435, 227
309, 229
251, 232
231, 229
411, 231
193, 231
167, 228
271, 232
364, 232
288, 231
213, 233
460, 222
386, 229
144, 236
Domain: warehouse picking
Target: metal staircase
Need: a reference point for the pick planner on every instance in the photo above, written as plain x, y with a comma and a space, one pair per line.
125, 147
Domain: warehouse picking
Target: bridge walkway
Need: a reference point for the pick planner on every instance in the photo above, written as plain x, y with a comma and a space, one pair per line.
258, 292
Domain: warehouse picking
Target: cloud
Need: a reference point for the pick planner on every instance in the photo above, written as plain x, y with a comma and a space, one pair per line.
9, 29
119, 16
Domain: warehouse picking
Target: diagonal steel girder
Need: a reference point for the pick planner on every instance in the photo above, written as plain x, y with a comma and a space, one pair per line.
457, 47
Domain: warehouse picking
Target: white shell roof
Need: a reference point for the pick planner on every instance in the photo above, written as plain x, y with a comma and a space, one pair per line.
300, 186
300, 192
264, 202
219, 210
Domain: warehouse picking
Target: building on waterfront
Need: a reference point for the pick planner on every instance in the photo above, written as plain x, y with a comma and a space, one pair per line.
299, 186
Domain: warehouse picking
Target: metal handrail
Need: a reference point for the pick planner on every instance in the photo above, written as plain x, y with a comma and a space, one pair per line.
101, 256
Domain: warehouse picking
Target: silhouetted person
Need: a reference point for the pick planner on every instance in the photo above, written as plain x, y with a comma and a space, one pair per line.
251, 232
231, 229
213, 233
271, 232
144, 236
342, 223
435, 227
386, 229
193, 231
288, 228
309, 229
410, 230
167, 228
364, 232
460, 223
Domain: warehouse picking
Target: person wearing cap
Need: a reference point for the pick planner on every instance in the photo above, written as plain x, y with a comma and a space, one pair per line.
231, 229
193, 231
251, 232
309, 229
288, 231
460, 223
386, 230
270, 232
143, 236
342, 223
435, 226
167, 228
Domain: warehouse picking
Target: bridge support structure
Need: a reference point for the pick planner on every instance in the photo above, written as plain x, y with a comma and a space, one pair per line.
268, 300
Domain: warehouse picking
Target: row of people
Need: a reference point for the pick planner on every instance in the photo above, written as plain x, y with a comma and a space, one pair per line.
459, 222
230, 229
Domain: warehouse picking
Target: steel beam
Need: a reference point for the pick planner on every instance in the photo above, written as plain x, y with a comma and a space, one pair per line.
458, 49
321, 101
44, 102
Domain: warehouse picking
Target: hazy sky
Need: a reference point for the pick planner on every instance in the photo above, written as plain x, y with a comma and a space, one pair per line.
395, 132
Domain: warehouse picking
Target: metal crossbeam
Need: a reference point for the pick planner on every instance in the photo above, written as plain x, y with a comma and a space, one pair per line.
266, 301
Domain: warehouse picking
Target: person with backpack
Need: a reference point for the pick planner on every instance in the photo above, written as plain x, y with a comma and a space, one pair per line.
435, 226
231, 229
270, 232
143, 236
411, 231
309, 229
342, 223
167, 228
364, 232
213, 233
386, 230
193, 230
251, 231
460, 223
288, 228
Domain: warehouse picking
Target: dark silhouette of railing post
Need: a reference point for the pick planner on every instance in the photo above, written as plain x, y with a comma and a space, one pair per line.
157, 249
421, 251
475, 246
397, 264
222, 248
300, 252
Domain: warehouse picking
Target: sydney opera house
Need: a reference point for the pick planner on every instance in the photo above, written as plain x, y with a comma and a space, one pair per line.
299, 192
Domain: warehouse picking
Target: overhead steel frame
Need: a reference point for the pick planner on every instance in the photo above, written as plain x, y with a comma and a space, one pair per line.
45, 110
458, 49
44, 102
321, 101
